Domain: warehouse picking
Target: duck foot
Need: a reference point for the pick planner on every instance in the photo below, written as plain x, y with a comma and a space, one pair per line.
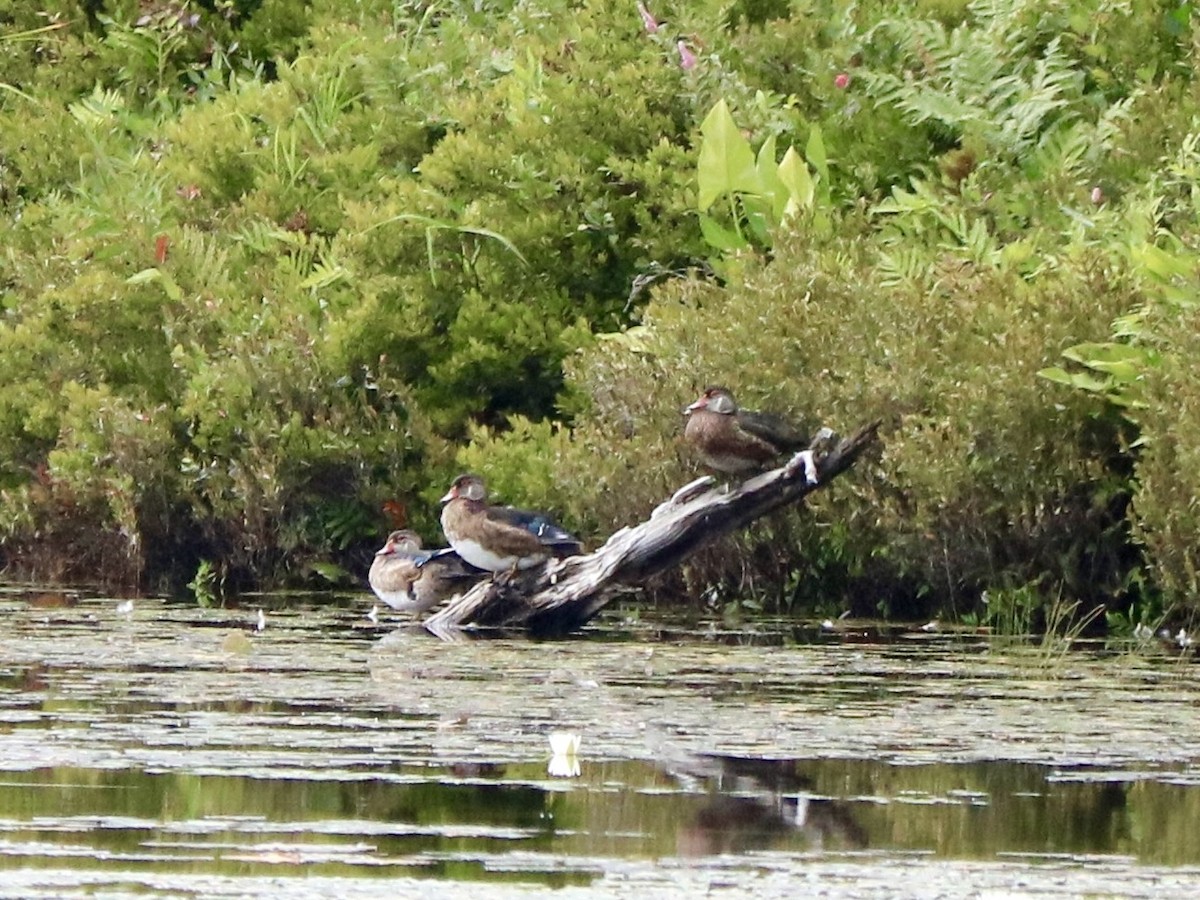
806, 461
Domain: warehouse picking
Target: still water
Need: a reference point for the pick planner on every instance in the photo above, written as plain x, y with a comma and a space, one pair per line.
168, 750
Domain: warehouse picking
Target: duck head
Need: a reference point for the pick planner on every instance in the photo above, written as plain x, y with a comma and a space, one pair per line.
466, 487
715, 399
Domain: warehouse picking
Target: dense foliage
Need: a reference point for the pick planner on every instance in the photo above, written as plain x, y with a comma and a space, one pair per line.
274, 270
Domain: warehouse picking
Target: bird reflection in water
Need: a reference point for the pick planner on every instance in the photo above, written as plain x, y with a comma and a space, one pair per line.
756, 802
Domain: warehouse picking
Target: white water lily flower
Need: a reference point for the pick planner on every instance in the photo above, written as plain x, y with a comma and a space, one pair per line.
564, 762
564, 743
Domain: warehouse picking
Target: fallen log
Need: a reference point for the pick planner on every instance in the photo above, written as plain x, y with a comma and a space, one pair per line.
563, 594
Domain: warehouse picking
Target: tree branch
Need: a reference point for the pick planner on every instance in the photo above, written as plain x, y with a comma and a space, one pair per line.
564, 594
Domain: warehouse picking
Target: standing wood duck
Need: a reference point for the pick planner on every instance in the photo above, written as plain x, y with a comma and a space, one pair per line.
410, 579
499, 538
737, 441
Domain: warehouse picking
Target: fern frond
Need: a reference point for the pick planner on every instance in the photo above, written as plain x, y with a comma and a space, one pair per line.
993, 77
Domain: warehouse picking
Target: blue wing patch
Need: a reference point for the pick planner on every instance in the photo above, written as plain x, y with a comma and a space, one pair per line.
424, 556
538, 524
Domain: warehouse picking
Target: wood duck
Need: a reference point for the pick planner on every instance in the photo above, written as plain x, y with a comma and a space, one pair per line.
737, 441
499, 538
410, 579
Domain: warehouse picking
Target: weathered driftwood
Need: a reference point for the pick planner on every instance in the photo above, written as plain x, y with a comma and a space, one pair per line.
563, 594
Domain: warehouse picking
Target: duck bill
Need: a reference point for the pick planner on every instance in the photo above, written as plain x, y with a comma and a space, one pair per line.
450, 495
699, 404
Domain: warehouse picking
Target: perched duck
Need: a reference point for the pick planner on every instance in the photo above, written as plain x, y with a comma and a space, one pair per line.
410, 579
499, 538
737, 441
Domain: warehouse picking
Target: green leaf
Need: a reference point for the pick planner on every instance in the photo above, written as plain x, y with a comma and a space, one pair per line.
1017, 253
1080, 380
720, 237
1106, 350
170, 287
726, 161
1161, 264
1132, 325
1122, 361
1122, 372
324, 275
793, 174
768, 176
814, 152
757, 213
16, 91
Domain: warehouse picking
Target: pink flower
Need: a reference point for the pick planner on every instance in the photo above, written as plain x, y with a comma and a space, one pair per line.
841, 81
687, 59
1097, 195
648, 20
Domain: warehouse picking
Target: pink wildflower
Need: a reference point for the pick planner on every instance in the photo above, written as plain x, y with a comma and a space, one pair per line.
687, 59
648, 19
841, 81
1097, 195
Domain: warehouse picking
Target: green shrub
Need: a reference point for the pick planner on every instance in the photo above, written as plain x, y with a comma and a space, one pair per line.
101, 504
1166, 512
984, 477
276, 269
46, 49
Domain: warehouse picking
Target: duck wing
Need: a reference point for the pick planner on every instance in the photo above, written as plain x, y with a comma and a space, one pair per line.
773, 429
449, 563
538, 524
421, 557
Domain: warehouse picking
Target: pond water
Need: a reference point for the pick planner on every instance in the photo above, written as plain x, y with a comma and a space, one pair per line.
161, 749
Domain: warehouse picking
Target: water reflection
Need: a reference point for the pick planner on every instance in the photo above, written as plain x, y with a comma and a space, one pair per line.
757, 803
328, 746
423, 818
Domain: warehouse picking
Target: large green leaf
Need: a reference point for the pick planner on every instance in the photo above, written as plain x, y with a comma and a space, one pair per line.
1122, 361
1081, 380
726, 160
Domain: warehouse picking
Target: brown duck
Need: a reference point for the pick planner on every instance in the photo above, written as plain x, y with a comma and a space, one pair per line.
738, 441
499, 538
410, 579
